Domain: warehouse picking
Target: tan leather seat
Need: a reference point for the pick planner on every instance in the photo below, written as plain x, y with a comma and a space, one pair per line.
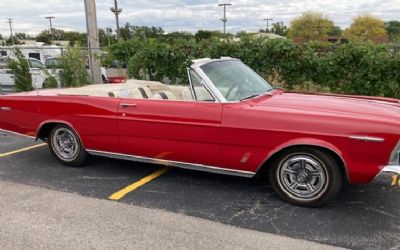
136, 93
142, 93
187, 94
122, 93
166, 95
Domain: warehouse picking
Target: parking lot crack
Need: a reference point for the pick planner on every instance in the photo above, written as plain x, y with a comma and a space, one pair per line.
382, 212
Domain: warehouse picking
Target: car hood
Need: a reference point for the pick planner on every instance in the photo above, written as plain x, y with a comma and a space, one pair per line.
369, 107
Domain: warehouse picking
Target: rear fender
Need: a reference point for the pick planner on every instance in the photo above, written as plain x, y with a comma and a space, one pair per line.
43, 124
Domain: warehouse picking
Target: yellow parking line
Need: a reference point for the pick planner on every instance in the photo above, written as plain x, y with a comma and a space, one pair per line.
120, 194
394, 180
22, 150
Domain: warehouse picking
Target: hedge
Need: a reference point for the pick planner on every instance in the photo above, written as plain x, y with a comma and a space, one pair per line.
352, 68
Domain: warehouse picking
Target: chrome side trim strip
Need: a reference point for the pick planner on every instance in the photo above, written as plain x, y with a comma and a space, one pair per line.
184, 165
367, 138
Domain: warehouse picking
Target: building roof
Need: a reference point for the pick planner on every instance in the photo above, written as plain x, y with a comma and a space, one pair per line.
268, 36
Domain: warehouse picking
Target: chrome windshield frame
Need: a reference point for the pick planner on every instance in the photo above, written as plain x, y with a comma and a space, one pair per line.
196, 66
192, 90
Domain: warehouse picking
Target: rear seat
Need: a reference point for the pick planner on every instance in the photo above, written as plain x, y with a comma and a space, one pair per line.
166, 92
166, 95
142, 93
136, 93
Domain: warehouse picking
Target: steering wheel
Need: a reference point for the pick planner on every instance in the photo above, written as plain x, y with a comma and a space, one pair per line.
231, 88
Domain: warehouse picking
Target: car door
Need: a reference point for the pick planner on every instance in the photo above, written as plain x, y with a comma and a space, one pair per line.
183, 131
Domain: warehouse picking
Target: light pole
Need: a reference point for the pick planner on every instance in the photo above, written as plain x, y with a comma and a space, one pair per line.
10, 20
268, 19
51, 26
224, 19
93, 41
116, 12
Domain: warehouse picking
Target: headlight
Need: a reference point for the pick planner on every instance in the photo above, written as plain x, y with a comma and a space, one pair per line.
395, 156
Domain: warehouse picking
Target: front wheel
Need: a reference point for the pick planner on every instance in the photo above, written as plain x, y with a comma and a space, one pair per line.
306, 177
66, 146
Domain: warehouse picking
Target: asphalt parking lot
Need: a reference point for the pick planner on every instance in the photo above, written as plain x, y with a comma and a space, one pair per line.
362, 217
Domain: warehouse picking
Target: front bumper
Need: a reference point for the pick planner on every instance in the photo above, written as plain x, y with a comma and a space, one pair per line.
390, 169
386, 172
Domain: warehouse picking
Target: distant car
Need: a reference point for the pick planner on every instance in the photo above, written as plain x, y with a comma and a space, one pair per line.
55, 63
226, 120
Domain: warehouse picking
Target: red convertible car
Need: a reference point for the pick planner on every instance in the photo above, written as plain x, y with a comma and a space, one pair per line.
226, 120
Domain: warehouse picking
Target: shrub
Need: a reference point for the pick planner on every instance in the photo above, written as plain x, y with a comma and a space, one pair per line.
73, 73
50, 82
20, 71
353, 68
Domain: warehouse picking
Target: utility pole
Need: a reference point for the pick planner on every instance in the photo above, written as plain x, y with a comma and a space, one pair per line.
116, 12
11, 31
268, 19
51, 26
93, 41
224, 19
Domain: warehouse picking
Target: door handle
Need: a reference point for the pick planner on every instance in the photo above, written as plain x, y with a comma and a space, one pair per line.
128, 105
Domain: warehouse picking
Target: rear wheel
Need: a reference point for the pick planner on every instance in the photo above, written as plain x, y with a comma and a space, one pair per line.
66, 146
306, 177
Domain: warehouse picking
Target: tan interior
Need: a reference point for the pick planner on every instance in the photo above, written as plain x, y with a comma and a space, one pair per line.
138, 89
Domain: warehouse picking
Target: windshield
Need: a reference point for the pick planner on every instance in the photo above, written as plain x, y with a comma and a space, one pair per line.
235, 80
53, 62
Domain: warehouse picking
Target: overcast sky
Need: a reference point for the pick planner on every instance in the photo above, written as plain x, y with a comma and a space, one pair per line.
185, 15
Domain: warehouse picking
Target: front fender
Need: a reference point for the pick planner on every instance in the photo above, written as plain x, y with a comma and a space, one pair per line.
307, 142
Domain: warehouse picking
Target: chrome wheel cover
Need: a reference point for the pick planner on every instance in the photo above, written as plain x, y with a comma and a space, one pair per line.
65, 144
302, 177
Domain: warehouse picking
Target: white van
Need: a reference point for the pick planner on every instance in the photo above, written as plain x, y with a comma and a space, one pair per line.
40, 52
36, 68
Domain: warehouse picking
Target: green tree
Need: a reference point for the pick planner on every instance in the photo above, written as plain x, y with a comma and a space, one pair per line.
20, 71
73, 66
336, 31
22, 36
125, 32
366, 27
105, 37
393, 30
147, 32
207, 35
172, 36
44, 37
310, 26
73, 37
279, 28
203, 35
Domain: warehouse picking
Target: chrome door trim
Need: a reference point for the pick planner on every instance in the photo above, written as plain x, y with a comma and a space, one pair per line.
178, 164
367, 138
5, 108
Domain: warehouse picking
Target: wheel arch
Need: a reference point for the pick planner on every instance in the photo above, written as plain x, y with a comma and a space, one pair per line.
46, 127
317, 144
